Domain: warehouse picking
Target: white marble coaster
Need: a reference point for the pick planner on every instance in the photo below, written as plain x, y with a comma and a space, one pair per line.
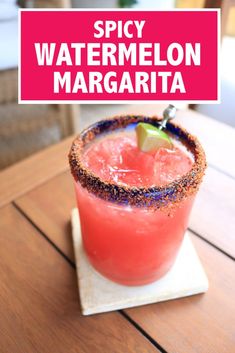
98, 294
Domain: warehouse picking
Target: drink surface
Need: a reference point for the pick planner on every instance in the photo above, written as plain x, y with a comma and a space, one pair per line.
116, 158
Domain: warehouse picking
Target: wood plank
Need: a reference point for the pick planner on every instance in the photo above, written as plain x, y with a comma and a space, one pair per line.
33, 171
212, 214
204, 323
49, 207
214, 211
39, 301
198, 324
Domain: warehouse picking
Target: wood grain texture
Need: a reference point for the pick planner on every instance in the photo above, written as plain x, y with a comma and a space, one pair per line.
198, 324
213, 214
49, 207
204, 323
33, 171
39, 302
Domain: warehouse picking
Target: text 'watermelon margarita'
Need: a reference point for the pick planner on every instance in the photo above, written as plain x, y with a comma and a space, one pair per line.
134, 204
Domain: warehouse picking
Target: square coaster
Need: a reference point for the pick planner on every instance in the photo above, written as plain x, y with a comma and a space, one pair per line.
98, 294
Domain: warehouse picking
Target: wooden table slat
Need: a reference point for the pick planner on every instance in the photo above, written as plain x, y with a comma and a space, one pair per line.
39, 300
33, 171
199, 324
49, 207
213, 214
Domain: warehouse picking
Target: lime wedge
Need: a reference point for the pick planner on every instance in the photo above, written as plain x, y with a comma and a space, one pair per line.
150, 138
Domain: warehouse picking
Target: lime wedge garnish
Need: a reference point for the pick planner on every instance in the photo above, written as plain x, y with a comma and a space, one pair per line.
150, 138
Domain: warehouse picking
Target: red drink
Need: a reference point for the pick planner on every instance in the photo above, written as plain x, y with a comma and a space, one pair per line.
133, 241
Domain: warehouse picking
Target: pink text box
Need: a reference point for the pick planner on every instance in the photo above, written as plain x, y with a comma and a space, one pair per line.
37, 83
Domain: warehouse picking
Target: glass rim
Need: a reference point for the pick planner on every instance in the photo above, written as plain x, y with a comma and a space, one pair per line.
152, 197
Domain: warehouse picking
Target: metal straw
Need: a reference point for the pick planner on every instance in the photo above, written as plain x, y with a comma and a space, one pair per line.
168, 114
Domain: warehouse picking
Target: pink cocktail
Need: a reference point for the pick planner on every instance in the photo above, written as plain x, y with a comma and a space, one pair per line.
134, 206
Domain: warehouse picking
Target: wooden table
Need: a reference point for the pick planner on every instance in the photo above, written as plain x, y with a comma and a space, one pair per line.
39, 306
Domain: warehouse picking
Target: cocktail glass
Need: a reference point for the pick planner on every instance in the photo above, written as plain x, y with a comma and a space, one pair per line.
132, 235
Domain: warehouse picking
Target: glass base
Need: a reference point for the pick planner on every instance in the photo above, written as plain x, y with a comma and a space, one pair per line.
134, 281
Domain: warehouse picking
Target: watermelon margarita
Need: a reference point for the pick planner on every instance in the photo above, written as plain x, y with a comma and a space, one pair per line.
134, 206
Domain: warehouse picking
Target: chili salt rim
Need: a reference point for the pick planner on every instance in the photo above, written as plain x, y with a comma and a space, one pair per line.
154, 197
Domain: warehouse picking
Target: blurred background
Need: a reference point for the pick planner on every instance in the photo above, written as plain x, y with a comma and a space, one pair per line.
26, 129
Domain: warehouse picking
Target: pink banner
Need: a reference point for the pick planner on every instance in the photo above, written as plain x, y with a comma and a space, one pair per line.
118, 56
